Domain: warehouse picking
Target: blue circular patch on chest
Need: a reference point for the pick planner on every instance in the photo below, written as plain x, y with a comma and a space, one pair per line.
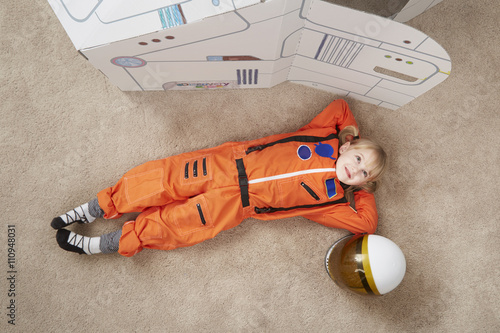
304, 152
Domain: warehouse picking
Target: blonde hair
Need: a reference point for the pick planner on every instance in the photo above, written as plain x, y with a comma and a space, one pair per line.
379, 164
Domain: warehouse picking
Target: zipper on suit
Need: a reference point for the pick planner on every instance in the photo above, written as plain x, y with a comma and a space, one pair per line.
296, 138
198, 206
310, 191
186, 171
204, 166
195, 168
269, 210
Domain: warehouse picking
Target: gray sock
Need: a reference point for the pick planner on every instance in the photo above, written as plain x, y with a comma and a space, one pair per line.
94, 208
109, 242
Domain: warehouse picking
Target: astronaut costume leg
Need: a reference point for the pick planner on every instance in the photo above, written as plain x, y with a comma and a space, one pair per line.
183, 200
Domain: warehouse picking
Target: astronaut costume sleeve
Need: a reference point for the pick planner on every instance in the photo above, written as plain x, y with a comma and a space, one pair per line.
188, 198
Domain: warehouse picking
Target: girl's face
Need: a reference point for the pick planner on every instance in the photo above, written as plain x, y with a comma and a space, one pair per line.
353, 165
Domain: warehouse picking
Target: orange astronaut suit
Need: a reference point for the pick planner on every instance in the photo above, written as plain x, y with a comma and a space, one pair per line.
188, 198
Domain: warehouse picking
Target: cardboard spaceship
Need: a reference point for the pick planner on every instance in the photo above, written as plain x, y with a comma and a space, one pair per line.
234, 44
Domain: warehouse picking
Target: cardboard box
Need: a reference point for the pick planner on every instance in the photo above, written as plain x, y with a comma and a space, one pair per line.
223, 44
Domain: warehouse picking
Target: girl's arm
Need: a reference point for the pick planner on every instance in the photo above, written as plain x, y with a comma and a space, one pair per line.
362, 220
337, 115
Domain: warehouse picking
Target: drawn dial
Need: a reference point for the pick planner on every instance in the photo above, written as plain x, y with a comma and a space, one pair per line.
129, 62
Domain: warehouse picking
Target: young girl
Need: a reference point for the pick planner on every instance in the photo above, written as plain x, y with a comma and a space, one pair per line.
191, 197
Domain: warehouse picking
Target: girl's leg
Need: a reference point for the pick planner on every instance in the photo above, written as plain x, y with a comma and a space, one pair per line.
172, 186
73, 242
85, 213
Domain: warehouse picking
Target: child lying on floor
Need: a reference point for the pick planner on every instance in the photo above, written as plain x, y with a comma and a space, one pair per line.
315, 172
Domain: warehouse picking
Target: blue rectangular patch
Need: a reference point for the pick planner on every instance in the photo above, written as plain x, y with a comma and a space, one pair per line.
331, 188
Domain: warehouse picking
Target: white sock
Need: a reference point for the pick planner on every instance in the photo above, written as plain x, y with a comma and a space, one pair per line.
91, 245
80, 213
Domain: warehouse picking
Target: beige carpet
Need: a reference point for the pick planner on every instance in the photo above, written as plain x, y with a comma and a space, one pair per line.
66, 133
